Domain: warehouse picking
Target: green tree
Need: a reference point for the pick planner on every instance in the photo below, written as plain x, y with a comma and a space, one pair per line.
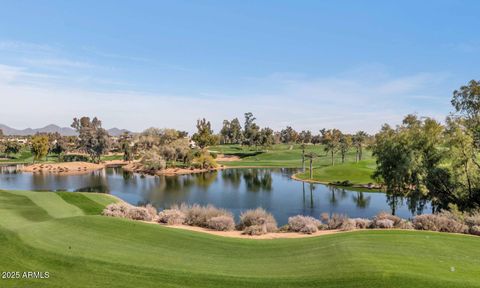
226, 132
204, 136
265, 137
236, 131
93, 139
12, 147
39, 146
345, 144
358, 141
331, 140
251, 130
288, 135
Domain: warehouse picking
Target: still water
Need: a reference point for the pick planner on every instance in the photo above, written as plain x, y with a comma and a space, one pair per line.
232, 189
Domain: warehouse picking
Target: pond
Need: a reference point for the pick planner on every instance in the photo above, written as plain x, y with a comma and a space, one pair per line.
232, 189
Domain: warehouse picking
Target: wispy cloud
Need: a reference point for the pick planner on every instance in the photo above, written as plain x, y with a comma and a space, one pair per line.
347, 102
57, 62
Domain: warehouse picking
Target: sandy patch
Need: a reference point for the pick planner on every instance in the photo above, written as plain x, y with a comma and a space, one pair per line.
67, 168
238, 234
226, 158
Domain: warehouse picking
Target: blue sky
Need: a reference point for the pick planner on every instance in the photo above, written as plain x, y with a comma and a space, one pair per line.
309, 64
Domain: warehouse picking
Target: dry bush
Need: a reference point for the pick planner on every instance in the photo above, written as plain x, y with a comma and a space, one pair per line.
152, 211
384, 215
221, 223
439, 222
473, 219
139, 213
258, 217
196, 215
336, 221
309, 229
117, 210
475, 230
255, 230
362, 223
171, 217
299, 222
384, 224
406, 225
348, 225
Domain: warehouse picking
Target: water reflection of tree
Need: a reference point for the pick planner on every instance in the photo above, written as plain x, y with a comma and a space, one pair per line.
232, 176
258, 180
308, 201
416, 202
204, 180
361, 200
336, 193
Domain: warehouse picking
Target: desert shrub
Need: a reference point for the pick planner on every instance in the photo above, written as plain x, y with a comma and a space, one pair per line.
117, 210
153, 160
258, 217
139, 213
336, 221
152, 211
384, 223
348, 224
361, 223
171, 217
405, 224
309, 229
255, 230
196, 215
438, 222
475, 230
298, 224
473, 219
221, 223
205, 160
384, 215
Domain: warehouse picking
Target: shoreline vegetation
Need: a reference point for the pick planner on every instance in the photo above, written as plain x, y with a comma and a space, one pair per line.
259, 224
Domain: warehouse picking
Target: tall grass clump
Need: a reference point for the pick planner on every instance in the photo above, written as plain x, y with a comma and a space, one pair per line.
303, 224
257, 222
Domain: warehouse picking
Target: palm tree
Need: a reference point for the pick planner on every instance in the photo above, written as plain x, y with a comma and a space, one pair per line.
359, 141
311, 156
303, 157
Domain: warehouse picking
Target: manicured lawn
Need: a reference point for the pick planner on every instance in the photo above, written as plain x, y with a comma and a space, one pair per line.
280, 155
26, 156
355, 173
81, 250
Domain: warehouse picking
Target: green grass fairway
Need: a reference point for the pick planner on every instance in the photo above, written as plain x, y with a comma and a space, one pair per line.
356, 173
280, 155
40, 231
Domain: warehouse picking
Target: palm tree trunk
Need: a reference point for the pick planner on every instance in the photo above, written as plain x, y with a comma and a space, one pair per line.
333, 162
311, 170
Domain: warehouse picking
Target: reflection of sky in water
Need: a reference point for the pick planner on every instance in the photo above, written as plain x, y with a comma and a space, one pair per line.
233, 189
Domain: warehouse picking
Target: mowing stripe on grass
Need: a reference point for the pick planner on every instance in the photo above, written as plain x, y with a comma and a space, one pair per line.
52, 203
87, 205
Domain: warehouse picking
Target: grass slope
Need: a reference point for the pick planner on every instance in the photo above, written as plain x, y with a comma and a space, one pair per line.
96, 251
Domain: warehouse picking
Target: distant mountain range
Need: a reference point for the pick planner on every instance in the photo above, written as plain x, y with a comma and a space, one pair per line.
64, 131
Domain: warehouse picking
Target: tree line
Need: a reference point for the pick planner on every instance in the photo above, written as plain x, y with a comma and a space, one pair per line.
423, 159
